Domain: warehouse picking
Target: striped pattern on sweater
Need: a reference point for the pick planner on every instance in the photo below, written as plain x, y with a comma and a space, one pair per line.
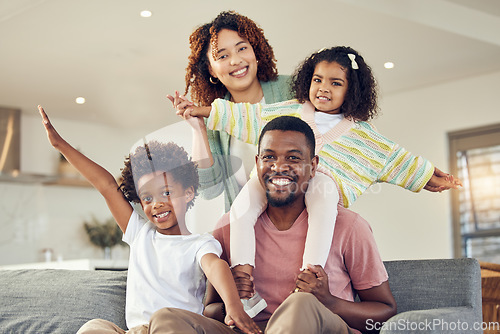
353, 154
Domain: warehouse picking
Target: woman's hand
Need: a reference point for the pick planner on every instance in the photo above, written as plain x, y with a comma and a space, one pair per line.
187, 109
181, 104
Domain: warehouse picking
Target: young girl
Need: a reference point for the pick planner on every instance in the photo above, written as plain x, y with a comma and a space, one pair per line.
336, 95
167, 265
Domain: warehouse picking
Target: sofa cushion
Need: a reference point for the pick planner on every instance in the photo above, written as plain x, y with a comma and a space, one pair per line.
59, 301
431, 284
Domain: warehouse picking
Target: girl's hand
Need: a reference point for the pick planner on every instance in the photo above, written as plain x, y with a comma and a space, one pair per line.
441, 181
54, 138
236, 316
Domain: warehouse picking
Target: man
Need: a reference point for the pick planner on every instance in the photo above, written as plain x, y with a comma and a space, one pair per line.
317, 300
324, 303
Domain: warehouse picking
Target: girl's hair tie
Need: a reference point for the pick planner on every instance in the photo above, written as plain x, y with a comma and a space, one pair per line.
352, 57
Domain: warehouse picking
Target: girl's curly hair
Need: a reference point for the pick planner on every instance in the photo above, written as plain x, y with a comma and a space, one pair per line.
156, 156
197, 75
360, 101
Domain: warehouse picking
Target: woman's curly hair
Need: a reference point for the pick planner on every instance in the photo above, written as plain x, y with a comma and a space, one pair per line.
155, 156
360, 101
197, 75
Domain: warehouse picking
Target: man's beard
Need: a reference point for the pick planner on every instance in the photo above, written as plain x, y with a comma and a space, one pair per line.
279, 202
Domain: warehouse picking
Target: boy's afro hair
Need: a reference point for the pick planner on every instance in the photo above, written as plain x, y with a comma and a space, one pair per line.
155, 156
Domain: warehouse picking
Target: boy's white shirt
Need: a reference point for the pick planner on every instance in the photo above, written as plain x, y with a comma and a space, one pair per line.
164, 270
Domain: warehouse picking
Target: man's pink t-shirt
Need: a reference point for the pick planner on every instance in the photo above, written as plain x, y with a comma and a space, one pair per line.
353, 263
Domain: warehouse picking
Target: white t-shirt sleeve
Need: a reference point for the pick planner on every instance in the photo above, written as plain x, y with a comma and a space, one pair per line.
209, 245
135, 223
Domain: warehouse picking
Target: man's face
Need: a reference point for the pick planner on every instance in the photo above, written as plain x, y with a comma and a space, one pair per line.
284, 166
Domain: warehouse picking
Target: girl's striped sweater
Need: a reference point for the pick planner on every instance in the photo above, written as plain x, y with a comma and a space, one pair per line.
352, 153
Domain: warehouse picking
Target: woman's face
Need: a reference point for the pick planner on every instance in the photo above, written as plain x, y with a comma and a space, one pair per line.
235, 64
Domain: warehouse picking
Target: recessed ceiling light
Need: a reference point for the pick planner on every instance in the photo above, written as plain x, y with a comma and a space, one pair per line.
389, 65
146, 13
80, 100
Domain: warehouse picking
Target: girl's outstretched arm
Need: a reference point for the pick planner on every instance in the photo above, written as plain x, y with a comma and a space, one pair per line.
440, 181
220, 276
100, 178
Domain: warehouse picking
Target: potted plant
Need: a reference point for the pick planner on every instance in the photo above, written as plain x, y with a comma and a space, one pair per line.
104, 234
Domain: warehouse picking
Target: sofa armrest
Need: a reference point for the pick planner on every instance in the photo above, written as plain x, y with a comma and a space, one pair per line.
433, 321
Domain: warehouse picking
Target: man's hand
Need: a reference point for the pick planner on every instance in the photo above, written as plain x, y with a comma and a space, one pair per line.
244, 284
315, 280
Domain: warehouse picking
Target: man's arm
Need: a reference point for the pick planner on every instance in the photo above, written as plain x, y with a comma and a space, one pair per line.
377, 303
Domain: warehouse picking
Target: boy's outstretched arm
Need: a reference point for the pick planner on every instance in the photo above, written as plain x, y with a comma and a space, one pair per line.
440, 181
100, 178
220, 276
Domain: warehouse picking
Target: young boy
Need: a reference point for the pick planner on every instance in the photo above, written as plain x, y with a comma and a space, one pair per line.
167, 264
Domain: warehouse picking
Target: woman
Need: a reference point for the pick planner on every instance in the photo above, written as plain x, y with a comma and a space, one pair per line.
231, 59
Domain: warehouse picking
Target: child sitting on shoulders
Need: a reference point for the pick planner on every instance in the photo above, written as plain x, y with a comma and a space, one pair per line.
167, 265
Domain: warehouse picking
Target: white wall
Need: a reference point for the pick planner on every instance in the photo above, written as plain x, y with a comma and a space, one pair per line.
406, 225
413, 226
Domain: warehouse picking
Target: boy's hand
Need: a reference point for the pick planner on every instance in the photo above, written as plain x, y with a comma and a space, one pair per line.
442, 181
236, 316
54, 138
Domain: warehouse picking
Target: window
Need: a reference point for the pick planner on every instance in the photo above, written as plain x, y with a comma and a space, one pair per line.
475, 159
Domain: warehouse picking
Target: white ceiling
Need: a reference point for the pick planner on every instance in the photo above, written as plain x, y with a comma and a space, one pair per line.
52, 51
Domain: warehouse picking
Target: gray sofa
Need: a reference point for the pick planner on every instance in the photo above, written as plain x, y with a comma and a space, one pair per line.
433, 296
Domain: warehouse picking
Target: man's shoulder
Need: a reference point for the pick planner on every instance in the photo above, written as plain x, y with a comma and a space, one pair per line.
347, 220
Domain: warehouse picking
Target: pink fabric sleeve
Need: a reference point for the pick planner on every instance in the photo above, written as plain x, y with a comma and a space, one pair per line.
362, 258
